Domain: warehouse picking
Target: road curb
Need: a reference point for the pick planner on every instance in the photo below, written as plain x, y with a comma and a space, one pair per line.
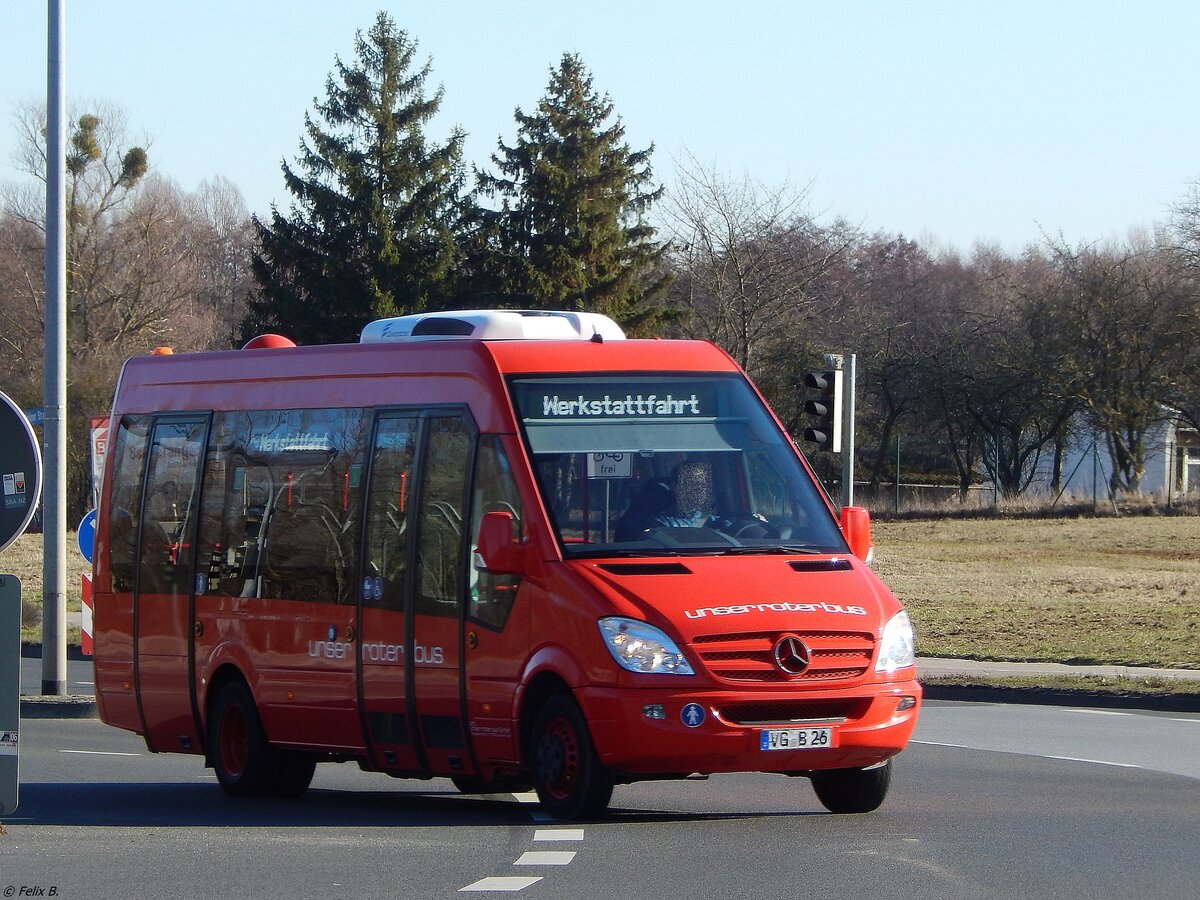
968, 693
30, 650
70, 706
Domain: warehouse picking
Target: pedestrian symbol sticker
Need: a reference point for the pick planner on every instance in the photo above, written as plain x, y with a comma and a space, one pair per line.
692, 715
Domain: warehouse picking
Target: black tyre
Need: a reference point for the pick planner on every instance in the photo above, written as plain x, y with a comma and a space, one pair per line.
473, 784
469, 784
569, 778
853, 790
245, 763
294, 773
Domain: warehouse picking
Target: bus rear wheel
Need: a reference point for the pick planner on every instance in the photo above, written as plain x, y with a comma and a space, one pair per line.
568, 776
853, 790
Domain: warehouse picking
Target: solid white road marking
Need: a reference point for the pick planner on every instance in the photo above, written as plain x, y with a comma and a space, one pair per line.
1097, 762
1098, 712
99, 753
502, 883
546, 858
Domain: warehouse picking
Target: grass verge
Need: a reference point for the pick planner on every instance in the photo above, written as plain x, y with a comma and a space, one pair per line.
1159, 687
1120, 591
24, 559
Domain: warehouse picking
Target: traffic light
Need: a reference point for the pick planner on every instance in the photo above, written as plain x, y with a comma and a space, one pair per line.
824, 407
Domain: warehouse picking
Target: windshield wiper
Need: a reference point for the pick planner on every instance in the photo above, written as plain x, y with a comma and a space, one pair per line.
649, 552
774, 548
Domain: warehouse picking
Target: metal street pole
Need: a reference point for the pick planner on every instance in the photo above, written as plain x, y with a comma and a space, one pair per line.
848, 432
54, 498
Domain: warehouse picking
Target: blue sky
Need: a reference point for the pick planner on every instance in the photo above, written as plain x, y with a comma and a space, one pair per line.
949, 122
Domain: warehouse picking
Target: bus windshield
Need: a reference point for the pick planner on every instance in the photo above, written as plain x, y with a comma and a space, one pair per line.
664, 464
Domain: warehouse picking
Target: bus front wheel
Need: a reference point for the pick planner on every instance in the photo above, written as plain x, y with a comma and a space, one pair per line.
853, 790
246, 765
568, 776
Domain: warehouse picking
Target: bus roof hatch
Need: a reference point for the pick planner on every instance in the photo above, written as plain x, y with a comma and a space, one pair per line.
494, 325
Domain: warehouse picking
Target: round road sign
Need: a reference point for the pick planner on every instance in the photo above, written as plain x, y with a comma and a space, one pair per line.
20, 469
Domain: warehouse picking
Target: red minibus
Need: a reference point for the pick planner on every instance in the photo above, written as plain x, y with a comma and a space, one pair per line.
509, 548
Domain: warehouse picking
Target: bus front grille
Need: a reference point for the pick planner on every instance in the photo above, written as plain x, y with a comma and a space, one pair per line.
750, 656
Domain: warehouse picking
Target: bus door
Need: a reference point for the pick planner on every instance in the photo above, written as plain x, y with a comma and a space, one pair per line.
384, 645
439, 589
412, 588
165, 583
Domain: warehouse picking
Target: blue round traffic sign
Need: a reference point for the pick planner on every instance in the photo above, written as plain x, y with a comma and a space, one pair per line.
87, 535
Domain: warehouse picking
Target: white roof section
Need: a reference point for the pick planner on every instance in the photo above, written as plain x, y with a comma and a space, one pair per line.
493, 325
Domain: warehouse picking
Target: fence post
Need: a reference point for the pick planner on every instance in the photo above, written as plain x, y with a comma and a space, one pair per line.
897, 473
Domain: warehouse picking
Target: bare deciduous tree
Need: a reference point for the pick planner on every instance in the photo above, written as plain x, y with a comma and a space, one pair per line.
139, 263
747, 257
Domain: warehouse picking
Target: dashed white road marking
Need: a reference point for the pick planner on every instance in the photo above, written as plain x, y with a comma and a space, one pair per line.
545, 858
506, 883
558, 834
513, 883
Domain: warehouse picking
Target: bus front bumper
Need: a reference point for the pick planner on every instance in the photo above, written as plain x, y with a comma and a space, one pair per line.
648, 732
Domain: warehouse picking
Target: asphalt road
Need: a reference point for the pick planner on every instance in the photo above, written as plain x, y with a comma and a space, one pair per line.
79, 676
981, 806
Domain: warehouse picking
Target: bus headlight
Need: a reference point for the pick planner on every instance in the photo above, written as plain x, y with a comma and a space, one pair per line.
640, 647
897, 647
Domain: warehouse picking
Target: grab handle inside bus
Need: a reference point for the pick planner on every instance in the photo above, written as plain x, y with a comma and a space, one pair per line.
500, 553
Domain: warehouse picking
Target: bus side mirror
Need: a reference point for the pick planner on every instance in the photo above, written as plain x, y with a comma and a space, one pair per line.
498, 552
856, 529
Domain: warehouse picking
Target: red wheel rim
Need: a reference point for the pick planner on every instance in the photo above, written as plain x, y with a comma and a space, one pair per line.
232, 741
558, 759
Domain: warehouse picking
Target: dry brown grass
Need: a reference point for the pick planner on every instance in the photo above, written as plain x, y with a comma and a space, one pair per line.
24, 559
1113, 590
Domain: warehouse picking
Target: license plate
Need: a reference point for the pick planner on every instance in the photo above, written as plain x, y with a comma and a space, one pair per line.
796, 739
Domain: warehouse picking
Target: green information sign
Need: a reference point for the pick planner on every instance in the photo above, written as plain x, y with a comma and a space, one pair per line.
10, 690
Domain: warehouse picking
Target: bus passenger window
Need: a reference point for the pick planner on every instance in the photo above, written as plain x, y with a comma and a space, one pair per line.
494, 490
388, 512
170, 511
289, 487
124, 508
439, 538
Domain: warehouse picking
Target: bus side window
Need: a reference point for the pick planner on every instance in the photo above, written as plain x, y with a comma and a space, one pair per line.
124, 506
440, 516
170, 509
388, 512
493, 490
310, 525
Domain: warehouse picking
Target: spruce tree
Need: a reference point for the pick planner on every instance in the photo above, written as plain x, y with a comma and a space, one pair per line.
567, 225
377, 208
